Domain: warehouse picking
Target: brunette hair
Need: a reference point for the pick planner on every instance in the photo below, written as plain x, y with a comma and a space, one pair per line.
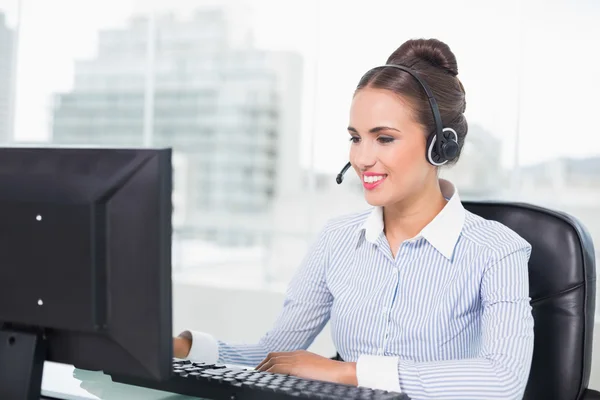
436, 64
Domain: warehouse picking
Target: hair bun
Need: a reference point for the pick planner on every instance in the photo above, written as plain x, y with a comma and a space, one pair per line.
433, 51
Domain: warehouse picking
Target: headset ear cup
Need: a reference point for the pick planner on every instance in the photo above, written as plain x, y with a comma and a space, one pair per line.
450, 150
450, 145
432, 155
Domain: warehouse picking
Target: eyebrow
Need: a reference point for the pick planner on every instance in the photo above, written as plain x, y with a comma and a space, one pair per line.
374, 130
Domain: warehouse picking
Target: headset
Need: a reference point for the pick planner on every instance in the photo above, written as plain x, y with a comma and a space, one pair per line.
442, 144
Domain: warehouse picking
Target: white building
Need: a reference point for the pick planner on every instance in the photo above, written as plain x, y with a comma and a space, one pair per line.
232, 111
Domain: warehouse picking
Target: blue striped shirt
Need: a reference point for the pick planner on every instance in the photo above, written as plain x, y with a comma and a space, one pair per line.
447, 318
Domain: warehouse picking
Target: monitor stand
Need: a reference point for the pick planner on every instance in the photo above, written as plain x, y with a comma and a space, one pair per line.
22, 356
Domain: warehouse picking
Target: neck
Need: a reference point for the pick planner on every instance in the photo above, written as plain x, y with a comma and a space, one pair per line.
407, 218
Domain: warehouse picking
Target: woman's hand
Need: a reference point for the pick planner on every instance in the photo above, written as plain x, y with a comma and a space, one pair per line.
308, 365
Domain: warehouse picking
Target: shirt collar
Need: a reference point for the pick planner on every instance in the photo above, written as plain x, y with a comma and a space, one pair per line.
442, 232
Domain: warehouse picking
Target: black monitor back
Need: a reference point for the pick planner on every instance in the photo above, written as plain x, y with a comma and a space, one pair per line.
85, 255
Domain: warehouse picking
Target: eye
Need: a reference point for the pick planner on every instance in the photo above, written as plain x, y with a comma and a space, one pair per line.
355, 139
385, 139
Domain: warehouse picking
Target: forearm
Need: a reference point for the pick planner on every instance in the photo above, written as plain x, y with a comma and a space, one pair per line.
476, 378
242, 354
203, 347
276, 340
471, 378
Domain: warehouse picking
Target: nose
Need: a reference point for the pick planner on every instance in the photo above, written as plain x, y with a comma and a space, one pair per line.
362, 156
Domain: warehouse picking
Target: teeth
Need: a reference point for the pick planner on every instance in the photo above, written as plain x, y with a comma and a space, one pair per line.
372, 179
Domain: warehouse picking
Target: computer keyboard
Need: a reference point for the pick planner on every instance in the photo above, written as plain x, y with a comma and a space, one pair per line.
219, 382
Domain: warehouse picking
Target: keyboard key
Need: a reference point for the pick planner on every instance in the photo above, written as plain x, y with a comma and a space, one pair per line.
215, 372
193, 369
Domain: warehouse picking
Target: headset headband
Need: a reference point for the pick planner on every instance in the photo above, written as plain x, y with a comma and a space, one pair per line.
432, 103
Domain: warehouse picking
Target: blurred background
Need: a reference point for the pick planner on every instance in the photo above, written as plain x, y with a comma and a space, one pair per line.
253, 96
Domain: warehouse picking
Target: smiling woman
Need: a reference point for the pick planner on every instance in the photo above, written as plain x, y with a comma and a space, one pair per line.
398, 110
423, 296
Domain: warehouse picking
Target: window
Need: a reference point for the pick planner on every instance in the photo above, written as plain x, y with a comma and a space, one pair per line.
528, 140
260, 103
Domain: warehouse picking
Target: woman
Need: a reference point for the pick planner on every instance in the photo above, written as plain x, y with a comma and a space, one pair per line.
423, 296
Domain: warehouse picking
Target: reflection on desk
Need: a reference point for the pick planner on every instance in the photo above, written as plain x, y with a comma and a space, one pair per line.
65, 382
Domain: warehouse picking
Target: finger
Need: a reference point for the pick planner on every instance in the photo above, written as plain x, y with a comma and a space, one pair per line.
266, 359
275, 361
268, 364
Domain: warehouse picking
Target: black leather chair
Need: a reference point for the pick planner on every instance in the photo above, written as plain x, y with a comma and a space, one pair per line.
562, 286
562, 275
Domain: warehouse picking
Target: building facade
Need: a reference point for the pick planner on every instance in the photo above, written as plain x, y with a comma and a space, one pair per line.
230, 112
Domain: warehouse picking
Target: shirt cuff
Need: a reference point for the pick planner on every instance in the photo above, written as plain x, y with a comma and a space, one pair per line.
378, 372
205, 347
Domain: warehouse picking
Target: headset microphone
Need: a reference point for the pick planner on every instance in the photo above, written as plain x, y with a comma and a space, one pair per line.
340, 177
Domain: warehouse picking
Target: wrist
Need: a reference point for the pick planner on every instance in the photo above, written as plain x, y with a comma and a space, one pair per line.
349, 373
182, 347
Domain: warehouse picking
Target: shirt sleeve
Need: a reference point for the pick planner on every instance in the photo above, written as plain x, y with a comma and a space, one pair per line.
501, 369
306, 310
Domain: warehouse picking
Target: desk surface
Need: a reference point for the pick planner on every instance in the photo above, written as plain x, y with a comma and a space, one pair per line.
65, 382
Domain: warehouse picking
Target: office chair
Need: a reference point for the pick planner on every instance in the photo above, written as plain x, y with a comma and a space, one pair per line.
562, 282
562, 287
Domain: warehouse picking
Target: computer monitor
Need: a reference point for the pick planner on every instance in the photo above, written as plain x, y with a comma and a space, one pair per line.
85, 263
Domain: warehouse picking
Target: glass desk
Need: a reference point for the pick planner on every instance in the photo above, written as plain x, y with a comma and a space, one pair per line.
65, 382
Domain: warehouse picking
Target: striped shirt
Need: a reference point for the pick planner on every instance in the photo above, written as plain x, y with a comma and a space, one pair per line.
447, 318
